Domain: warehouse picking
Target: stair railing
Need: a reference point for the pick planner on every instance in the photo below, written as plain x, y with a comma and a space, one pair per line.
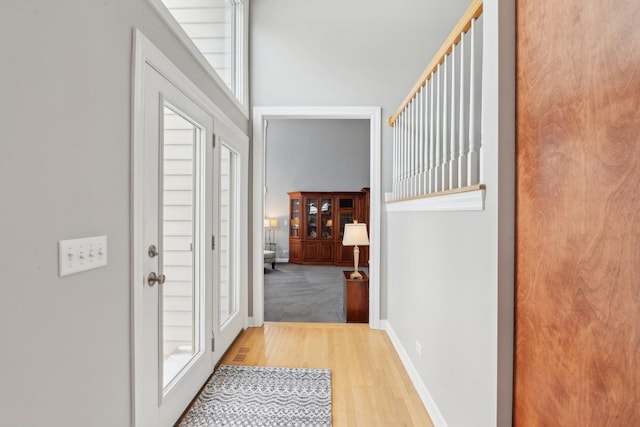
437, 138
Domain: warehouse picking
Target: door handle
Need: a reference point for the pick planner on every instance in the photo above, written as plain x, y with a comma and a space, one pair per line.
153, 251
153, 278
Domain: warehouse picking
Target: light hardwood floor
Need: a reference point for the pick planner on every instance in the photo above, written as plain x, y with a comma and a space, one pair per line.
370, 386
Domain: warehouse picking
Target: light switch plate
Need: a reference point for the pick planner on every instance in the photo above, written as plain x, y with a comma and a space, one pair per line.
79, 255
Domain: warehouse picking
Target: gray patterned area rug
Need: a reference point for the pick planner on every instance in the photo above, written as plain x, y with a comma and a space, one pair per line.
265, 397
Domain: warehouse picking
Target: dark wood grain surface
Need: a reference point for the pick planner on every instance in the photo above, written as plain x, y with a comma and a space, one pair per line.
356, 298
577, 347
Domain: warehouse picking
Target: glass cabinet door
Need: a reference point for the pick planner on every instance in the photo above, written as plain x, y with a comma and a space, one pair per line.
346, 211
326, 218
295, 218
312, 218
345, 218
346, 203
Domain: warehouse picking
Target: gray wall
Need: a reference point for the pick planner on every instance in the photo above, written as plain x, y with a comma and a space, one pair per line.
447, 277
359, 52
312, 155
65, 116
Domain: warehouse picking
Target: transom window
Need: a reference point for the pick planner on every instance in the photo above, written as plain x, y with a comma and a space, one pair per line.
216, 30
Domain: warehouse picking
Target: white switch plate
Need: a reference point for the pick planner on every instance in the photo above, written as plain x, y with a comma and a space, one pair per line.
418, 348
79, 255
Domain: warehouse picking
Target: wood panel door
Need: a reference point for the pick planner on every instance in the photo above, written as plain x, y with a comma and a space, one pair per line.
310, 252
577, 344
326, 252
295, 251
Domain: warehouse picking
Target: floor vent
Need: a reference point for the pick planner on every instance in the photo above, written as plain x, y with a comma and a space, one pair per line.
244, 349
239, 357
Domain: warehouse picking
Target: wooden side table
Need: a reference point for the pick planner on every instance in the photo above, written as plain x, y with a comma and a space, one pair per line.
356, 298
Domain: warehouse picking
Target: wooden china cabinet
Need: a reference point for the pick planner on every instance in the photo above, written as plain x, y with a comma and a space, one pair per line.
316, 226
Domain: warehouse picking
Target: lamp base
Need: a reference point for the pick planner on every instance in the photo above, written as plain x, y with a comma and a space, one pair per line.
356, 275
356, 258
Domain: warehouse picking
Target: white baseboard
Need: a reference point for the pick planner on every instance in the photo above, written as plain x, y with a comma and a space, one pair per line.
421, 388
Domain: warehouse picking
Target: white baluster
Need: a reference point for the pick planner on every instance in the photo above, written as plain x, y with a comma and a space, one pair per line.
408, 153
405, 151
421, 140
405, 146
479, 90
445, 124
453, 141
412, 145
438, 141
402, 141
432, 135
399, 159
399, 156
474, 155
416, 149
462, 137
425, 154
394, 161
407, 156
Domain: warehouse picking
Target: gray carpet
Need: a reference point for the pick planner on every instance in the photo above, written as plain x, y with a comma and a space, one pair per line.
304, 293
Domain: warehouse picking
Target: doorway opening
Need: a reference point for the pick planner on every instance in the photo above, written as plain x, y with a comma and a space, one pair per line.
316, 181
266, 231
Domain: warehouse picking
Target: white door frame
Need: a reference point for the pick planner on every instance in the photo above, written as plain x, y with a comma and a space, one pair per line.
260, 117
144, 52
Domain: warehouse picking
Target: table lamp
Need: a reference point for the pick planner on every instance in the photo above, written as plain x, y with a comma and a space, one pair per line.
271, 224
355, 234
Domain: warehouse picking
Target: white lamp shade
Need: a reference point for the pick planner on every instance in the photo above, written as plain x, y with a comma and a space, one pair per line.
355, 235
273, 223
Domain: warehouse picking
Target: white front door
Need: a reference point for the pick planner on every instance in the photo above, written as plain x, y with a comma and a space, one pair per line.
178, 314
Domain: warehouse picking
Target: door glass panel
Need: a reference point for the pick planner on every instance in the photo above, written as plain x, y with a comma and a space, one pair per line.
178, 245
228, 234
312, 218
326, 209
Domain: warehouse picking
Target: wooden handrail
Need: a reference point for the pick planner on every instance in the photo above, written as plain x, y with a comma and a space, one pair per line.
441, 193
473, 12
